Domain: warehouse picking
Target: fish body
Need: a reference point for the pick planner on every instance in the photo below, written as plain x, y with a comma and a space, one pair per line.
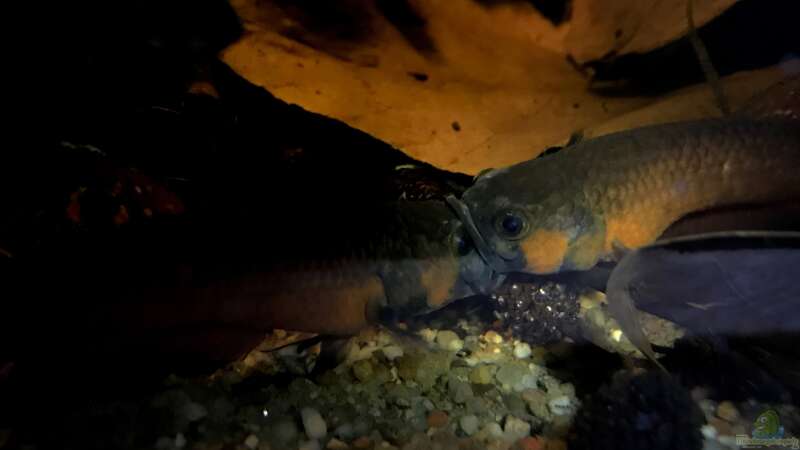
571, 209
730, 285
143, 301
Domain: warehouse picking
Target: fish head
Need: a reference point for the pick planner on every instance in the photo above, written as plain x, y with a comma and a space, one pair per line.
522, 222
436, 263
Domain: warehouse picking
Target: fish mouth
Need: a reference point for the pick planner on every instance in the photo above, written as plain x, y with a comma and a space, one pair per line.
479, 277
489, 256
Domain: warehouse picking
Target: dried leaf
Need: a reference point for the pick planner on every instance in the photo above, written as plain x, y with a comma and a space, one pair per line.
456, 84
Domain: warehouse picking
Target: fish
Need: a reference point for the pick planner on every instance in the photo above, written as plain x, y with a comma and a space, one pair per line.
415, 262
571, 209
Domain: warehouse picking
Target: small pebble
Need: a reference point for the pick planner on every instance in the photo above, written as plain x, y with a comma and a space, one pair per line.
469, 424
481, 375
498, 444
515, 428
437, 418
522, 350
537, 402
427, 334
362, 370
362, 442
493, 429
493, 337
530, 443
449, 340
180, 440
460, 391
314, 424
727, 411
251, 441
392, 352
335, 444
344, 431
709, 432
560, 406
516, 376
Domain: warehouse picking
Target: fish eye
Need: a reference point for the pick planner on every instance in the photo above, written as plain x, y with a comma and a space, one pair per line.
511, 224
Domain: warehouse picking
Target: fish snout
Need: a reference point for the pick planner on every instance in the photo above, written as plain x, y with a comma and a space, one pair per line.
499, 255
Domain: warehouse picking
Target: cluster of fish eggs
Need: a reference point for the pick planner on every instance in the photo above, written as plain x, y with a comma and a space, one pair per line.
537, 313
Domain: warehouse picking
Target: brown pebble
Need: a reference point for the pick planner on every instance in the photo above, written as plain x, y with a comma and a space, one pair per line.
335, 444
727, 411
530, 443
362, 442
437, 418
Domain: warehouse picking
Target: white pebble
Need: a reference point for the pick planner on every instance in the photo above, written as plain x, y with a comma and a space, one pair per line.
471, 362
314, 424
180, 440
527, 381
560, 406
709, 432
469, 424
251, 441
522, 350
392, 352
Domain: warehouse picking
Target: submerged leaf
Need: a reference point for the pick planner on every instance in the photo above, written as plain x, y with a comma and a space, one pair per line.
457, 84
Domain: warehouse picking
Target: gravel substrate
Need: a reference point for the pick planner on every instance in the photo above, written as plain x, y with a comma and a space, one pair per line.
415, 392
461, 380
